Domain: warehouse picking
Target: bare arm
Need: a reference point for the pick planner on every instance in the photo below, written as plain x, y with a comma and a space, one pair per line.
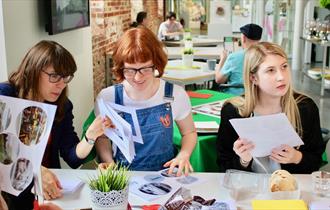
104, 149
219, 77
189, 139
95, 130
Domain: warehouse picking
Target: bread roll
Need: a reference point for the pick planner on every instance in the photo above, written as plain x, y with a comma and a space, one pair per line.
281, 180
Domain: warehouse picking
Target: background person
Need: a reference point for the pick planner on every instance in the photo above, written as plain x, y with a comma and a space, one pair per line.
170, 29
268, 90
230, 69
139, 62
43, 76
141, 20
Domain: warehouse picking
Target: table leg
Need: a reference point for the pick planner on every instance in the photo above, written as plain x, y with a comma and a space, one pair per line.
323, 70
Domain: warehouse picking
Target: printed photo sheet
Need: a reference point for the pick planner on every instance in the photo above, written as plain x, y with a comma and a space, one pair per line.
24, 131
160, 184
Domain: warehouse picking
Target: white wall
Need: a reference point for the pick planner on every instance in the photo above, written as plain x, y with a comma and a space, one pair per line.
3, 62
24, 26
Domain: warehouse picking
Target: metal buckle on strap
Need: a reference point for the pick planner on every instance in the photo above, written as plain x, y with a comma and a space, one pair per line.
168, 98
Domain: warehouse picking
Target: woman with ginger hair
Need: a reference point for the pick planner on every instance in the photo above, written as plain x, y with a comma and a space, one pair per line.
140, 61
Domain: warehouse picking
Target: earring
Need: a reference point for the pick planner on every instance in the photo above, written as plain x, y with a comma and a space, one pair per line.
156, 73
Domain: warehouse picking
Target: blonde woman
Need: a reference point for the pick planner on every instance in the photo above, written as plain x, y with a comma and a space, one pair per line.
268, 90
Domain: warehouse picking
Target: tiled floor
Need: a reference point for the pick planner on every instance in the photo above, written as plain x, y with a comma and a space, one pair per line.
313, 88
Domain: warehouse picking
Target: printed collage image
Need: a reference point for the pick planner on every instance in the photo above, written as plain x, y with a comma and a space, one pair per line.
31, 123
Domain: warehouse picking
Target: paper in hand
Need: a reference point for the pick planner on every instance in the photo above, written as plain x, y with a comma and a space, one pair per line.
121, 135
266, 132
24, 131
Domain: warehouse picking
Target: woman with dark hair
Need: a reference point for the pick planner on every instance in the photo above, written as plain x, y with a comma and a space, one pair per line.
43, 76
140, 61
141, 20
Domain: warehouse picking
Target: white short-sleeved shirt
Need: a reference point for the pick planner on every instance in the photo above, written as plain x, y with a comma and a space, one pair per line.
165, 27
181, 106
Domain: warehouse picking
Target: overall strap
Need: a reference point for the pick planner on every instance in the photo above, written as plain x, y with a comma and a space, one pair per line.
119, 98
168, 91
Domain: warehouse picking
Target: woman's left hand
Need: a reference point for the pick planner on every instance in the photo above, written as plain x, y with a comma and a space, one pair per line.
182, 161
286, 154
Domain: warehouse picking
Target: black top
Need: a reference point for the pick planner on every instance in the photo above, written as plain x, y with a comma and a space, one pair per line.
312, 149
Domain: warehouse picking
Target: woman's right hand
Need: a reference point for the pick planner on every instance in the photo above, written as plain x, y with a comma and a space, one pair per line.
243, 148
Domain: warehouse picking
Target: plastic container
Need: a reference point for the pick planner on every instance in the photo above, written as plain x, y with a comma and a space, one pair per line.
321, 183
246, 185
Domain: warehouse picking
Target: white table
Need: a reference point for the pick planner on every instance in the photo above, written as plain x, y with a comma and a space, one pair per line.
199, 52
211, 188
197, 42
187, 76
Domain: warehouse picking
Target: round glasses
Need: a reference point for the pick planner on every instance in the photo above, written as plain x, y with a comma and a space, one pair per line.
54, 77
131, 72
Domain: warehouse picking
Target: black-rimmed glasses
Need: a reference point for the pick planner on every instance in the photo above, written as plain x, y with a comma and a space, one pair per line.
131, 72
54, 77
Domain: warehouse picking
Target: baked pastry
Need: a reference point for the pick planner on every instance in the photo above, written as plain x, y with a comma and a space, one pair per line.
282, 180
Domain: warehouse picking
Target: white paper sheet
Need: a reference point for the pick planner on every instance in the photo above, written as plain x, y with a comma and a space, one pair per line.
207, 127
267, 132
121, 135
137, 137
70, 185
24, 131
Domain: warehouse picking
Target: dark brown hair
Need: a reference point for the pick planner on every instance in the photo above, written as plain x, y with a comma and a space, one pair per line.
42, 55
138, 45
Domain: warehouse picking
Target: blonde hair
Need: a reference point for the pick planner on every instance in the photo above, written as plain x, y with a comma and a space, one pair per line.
254, 56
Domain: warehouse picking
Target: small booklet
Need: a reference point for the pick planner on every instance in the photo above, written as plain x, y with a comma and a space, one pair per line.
207, 127
70, 185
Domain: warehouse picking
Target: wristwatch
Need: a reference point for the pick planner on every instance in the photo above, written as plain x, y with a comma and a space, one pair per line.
89, 141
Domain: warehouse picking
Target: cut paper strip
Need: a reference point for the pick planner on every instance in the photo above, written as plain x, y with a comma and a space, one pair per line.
193, 94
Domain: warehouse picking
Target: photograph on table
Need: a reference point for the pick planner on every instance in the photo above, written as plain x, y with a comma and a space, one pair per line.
32, 124
212, 109
155, 185
9, 148
23, 142
5, 116
155, 188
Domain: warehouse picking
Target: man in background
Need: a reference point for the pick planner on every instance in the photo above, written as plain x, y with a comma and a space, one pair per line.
170, 29
230, 68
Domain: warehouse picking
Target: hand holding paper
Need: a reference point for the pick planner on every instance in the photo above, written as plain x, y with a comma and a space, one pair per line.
267, 133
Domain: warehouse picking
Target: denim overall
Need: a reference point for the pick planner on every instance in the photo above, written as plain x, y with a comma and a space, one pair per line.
156, 125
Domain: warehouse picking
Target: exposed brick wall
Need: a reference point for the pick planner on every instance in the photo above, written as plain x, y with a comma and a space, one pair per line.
109, 19
155, 13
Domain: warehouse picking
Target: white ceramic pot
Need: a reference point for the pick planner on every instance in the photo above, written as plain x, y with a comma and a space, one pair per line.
187, 60
188, 44
114, 200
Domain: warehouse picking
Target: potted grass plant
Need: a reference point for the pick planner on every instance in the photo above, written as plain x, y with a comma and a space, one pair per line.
188, 43
187, 57
109, 188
